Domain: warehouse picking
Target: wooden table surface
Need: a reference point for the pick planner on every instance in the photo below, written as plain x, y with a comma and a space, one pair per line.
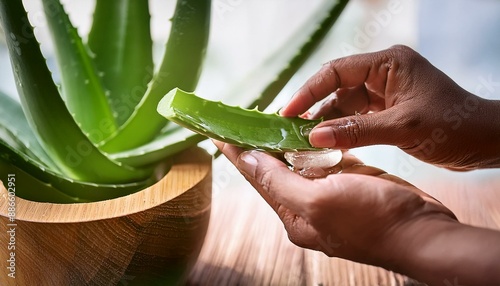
246, 243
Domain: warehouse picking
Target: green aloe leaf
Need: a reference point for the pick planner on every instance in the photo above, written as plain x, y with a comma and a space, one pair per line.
11, 140
60, 188
235, 125
306, 50
46, 112
80, 84
121, 42
29, 188
16, 127
264, 83
181, 67
172, 140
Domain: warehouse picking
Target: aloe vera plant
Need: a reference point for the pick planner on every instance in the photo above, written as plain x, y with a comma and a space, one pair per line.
95, 134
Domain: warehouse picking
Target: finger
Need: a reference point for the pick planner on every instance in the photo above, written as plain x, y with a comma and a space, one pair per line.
230, 151
269, 176
344, 102
364, 69
275, 182
348, 160
384, 127
299, 231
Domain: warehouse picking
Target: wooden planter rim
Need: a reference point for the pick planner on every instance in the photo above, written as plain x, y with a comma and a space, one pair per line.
189, 169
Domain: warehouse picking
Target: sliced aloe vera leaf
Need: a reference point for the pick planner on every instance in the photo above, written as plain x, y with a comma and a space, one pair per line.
80, 84
76, 190
181, 67
46, 112
12, 119
120, 39
235, 125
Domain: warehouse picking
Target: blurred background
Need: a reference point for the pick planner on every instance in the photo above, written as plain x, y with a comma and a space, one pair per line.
460, 37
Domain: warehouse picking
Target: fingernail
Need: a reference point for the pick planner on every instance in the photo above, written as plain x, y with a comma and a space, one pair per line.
322, 137
306, 115
248, 163
280, 112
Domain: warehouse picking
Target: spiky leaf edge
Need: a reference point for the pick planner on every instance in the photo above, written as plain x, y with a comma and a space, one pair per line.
120, 39
81, 86
46, 112
181, 67
61, 189
248, 128
14, 122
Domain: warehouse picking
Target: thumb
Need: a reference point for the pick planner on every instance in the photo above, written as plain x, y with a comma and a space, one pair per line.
358, 130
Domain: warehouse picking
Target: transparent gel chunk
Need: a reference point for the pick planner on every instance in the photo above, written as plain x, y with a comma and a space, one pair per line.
308, 159
314, 164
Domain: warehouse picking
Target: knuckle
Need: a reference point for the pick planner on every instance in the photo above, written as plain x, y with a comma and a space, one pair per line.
401, 48
352, 129
405, 54
330, 70
264, 179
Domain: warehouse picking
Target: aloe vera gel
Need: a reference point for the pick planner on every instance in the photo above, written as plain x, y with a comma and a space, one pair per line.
315, 164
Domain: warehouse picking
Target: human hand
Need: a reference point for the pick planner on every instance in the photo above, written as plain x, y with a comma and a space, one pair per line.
362, 214
397, 97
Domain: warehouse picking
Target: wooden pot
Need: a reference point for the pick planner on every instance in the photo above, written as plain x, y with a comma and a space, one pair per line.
151, 237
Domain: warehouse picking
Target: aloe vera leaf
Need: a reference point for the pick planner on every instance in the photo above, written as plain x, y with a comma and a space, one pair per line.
235, 125
173, 140
264, 83
29, 188
12, 119
308, 48
181, 67
9, 138
121, 42
80, 84
69, 188
46, 112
